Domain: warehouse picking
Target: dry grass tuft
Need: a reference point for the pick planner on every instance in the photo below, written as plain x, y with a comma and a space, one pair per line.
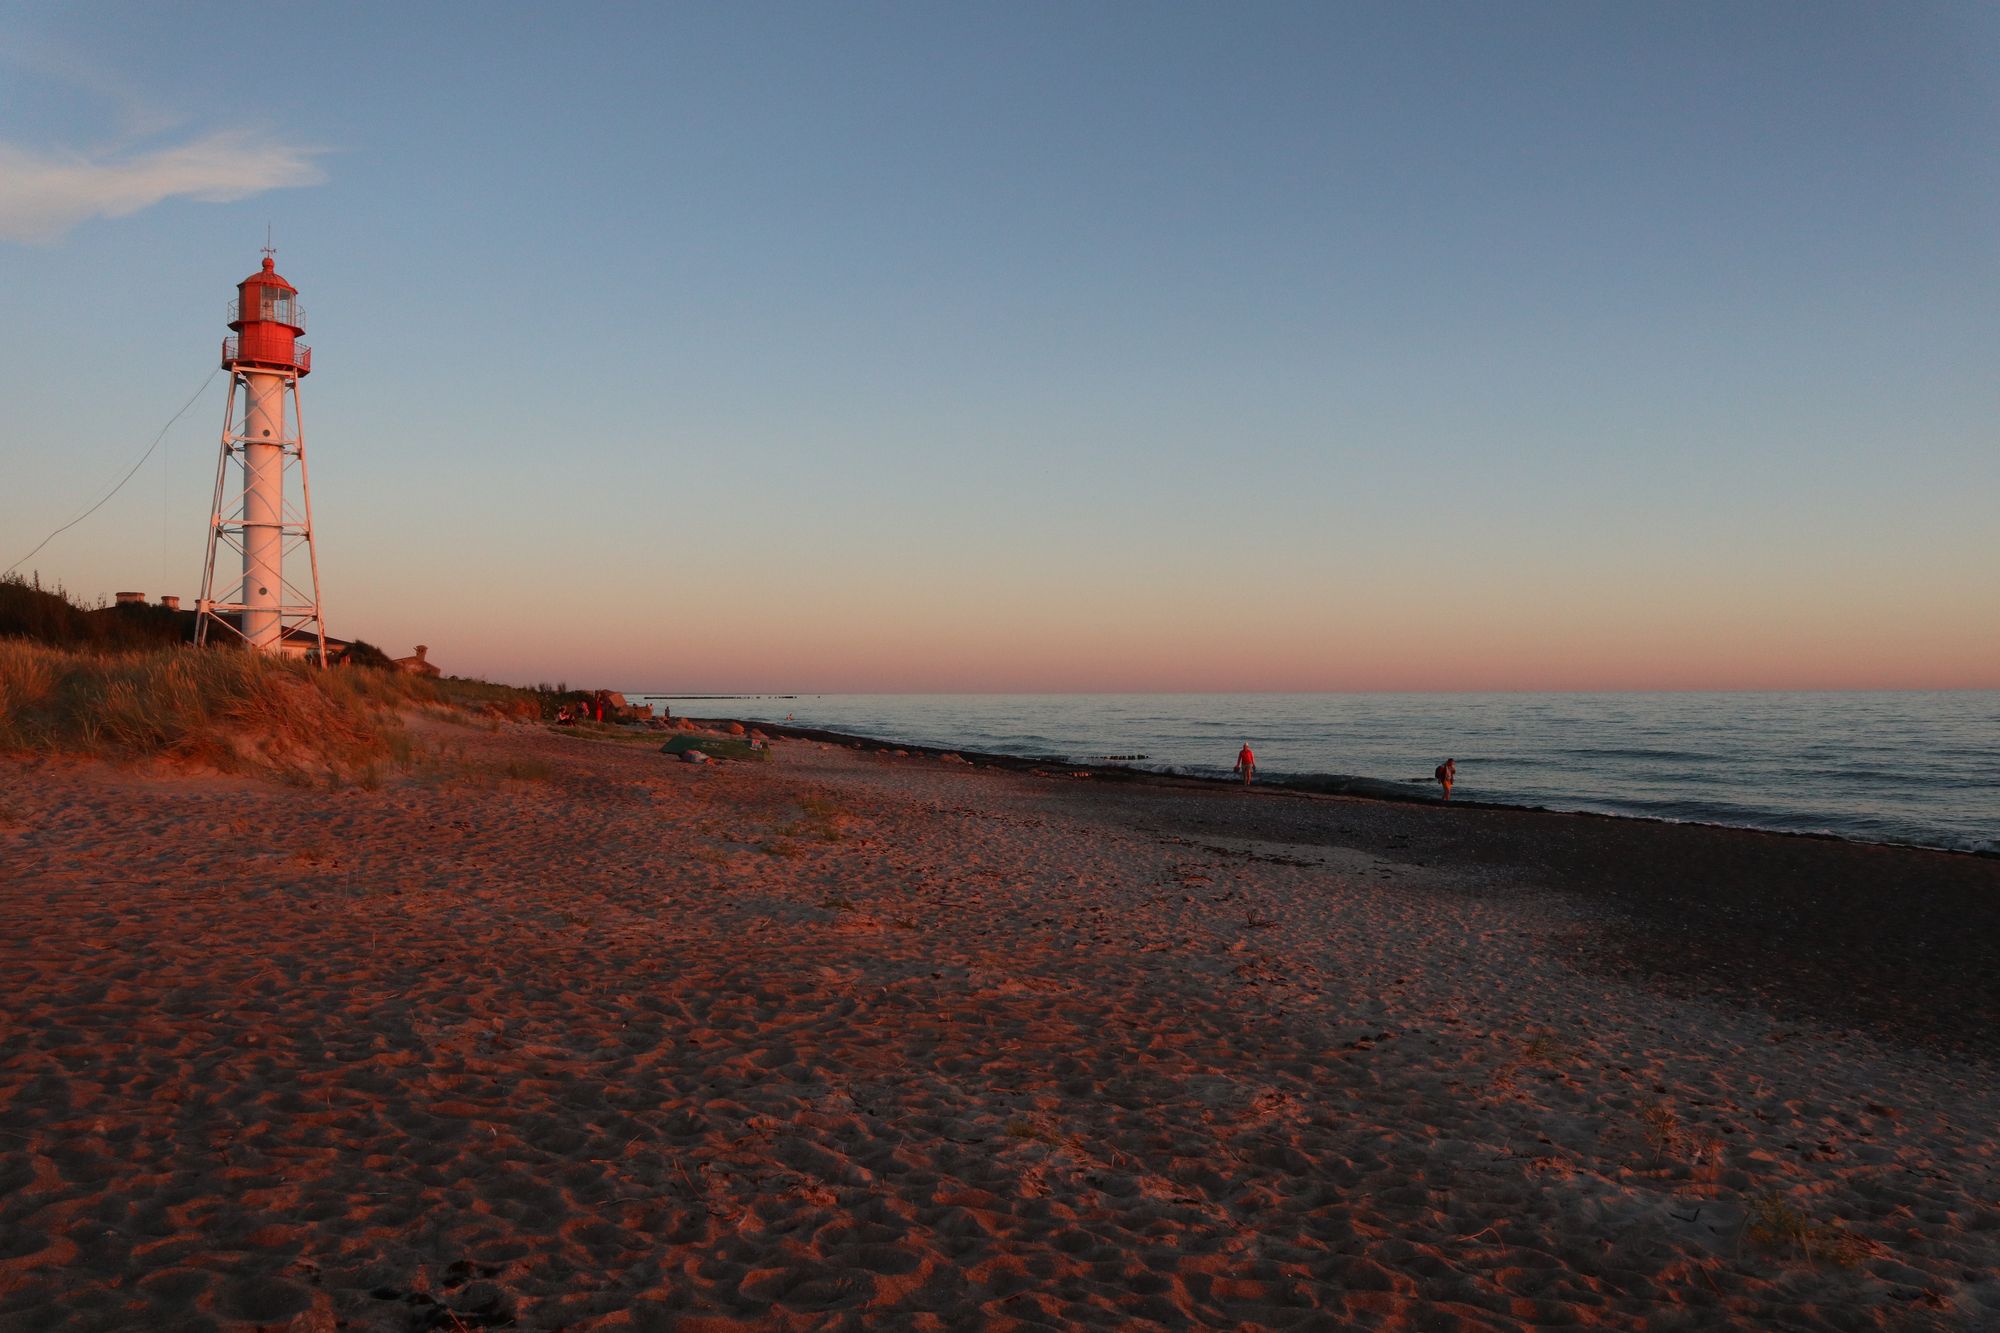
1034, 1133
1663, 1128
823, 818
528, 770
1546, 1050
1777, 1224
485, 774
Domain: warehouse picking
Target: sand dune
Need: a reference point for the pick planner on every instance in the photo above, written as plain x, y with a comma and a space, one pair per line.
851, 1040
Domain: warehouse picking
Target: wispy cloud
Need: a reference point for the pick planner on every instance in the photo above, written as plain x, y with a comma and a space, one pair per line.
43, 195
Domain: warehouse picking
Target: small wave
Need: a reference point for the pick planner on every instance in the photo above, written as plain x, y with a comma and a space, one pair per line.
1907, 778
1638, 752
1682, 808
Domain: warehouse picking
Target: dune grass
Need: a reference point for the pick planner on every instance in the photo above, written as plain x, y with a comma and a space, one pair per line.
224, 709
483, 696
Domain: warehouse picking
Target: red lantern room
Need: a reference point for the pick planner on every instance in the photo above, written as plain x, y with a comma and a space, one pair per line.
268, 322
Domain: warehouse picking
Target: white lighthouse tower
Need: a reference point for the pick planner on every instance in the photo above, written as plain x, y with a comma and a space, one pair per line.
265, 362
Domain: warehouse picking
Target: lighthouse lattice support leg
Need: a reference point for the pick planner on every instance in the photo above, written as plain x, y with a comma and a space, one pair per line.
205, 616
306, 502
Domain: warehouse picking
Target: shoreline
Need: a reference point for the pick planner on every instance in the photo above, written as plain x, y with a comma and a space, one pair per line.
1825, 926
561, 1033
1360, 788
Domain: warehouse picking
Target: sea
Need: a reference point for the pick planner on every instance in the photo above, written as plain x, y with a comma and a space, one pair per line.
1920, 768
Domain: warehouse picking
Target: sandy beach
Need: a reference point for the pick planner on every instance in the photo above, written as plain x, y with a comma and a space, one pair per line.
560, 1033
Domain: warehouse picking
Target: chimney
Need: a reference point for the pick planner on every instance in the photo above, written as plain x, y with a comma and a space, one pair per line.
170, 603
131, 599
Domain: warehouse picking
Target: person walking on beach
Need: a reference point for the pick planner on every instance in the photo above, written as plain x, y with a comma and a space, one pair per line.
1246, 763
1446, 773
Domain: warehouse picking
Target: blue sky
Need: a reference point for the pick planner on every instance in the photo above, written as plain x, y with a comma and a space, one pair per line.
1071, 346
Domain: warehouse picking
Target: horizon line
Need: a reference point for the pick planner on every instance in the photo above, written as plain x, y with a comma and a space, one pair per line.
1696, 689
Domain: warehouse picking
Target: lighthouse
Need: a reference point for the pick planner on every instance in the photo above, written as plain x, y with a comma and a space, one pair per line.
257, 522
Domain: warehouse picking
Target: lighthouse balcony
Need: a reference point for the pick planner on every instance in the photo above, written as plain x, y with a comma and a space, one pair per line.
301, 358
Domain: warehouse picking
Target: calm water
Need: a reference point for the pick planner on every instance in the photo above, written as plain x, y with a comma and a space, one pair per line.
1879, 767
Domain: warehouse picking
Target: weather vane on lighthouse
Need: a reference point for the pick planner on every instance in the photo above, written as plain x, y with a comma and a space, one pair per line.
265, 362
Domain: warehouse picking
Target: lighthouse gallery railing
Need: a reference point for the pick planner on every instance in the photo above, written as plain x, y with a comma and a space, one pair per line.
302, 355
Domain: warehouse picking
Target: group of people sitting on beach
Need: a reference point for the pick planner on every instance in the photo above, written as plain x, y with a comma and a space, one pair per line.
1246, 764
599, 706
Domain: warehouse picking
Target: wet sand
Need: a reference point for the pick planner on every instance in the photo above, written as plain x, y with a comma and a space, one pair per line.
856, 1040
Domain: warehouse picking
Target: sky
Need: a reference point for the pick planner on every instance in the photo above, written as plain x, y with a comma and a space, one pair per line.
1042, 347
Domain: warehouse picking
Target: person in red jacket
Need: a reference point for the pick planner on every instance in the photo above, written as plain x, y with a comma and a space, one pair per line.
1246, 763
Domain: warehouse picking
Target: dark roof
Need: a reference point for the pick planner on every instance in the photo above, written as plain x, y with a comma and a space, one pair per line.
297, 635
